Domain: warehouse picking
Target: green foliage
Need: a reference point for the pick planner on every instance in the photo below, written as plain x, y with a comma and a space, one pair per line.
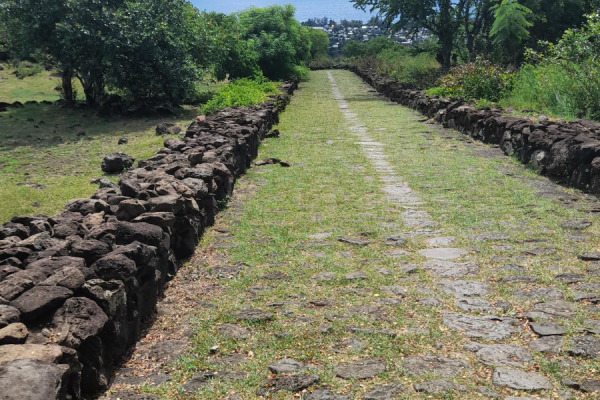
26, 69
281, 43
478, 80
390, 58
151, 55
510, 27
371, 48
319, 44
421, 71
240, 93
565, 81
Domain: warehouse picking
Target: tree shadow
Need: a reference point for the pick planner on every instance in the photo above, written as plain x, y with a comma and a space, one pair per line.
43, 126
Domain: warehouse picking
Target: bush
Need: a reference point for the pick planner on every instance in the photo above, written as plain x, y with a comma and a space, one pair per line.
478, 80
240, 93
26, 69
421, 70
281, 43
566, 80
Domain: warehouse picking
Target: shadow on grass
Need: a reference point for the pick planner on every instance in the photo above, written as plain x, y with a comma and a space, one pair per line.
46, 126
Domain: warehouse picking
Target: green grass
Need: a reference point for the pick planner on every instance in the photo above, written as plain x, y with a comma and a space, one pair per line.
38, 87
331, 187
39, 144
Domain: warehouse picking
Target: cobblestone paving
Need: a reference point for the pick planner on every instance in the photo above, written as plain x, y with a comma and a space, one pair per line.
392, 260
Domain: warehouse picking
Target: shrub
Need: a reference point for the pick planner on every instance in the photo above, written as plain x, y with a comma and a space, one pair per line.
566, 80
240, 93
26, 69
280, 41
421, 70
478, 80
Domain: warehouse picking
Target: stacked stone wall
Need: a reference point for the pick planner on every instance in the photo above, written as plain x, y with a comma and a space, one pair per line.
566, 151
76, 288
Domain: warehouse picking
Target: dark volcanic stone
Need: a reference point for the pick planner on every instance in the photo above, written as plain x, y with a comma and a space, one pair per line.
489, 237
325, 394
115, 266
70, 278
586, 386
488, 327
347, 345
324, 276
444, 367
197, 382
360, 369
570, 278
354, 241
537, 294
165, 352
232, 331
8, 315
547, 328
520, 279
78, 320
576, 224
547, 344
40, 300
394, 290
590, 256
474, 304
438, 386
116, 163
34, 380
288, 366
13, 334
449, 269
502, 355
353, 276
253, 314
90, 250
291, 383
585, 346
551, 309
167, 128
385, 392
464, 288
519, 380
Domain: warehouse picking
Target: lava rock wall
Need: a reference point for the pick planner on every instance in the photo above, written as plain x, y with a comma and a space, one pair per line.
76, 288
568, 152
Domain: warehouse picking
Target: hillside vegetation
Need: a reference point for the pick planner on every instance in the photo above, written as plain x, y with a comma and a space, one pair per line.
110, 70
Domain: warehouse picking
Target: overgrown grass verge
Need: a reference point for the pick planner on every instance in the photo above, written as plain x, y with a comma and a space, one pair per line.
332, 190
240, 93
62, 150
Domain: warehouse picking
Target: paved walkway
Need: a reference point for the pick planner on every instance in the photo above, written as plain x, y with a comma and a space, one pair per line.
392, 260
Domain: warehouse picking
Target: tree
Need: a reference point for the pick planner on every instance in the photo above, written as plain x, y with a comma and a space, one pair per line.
510, 27
319, 43
441, 17
223, 50
280, 42
152, 56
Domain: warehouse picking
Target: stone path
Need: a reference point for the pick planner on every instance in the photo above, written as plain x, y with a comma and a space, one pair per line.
390, 261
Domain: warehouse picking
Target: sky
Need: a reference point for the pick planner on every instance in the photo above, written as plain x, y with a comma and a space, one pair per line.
305, 9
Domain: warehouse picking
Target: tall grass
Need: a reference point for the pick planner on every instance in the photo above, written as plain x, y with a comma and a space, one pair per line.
240, 93
421, 70
554, 90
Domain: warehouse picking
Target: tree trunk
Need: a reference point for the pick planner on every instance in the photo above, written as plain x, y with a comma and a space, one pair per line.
92, 87
446, 33
67, 86
471, 46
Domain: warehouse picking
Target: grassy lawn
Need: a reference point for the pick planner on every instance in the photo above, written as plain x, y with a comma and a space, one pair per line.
39, 144
333, 189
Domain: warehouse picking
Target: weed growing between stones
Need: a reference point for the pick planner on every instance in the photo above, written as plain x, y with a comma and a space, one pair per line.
303, 265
